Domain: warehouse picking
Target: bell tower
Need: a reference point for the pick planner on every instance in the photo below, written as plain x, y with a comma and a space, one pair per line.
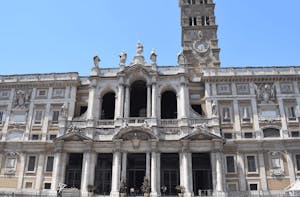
199, 34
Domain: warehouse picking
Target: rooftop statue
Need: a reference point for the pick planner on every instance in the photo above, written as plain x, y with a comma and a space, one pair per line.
96, 61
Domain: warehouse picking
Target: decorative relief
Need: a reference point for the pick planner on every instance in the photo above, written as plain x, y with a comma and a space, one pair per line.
276, 164
224, 89
243, 88
21, 99
287, 88
265, 93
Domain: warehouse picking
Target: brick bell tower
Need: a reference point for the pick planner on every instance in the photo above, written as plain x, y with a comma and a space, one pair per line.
199, 34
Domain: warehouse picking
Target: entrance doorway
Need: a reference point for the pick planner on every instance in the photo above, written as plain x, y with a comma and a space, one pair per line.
169, 173
73, 170
136, 170
103, 174
202, 174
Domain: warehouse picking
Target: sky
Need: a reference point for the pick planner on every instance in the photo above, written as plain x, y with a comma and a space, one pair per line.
63, 36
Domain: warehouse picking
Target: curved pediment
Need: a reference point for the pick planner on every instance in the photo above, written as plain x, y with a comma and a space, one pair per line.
140, 133
73, 136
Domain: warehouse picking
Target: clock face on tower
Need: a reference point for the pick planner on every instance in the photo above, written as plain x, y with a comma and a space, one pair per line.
200, 46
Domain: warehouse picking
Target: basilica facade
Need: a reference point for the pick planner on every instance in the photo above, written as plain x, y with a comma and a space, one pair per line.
212, 131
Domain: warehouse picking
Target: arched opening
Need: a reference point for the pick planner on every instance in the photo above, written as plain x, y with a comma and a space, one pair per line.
271, 132
108, 106
168, 105
138, 99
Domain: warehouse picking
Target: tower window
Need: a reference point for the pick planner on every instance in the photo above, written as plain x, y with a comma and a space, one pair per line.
205, 21
203, 1
193, 21
191, 2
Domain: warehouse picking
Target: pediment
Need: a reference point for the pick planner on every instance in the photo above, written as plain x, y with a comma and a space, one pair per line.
137, 68
202, 135
73, 136
139, 133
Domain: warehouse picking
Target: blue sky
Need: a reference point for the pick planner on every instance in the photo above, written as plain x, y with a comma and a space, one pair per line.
62, 36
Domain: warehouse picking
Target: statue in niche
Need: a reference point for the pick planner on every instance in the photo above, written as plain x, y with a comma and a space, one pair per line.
265, 93
181, 59
96, 61
140, 49
21, 99
214, 109
63, 112
123, 57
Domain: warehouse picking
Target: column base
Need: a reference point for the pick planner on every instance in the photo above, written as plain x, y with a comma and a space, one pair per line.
154, 194
114, 194
219, 194
188, 194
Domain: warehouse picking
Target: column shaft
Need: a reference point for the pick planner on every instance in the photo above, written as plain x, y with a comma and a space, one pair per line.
291, 167
39, 172
154, 168
127, 102
116, 168
185, 179
148, 101
22, 170
154, 100
262, 172
219, 173
124, 165
241, 171
88, 172
56, 170
91, 102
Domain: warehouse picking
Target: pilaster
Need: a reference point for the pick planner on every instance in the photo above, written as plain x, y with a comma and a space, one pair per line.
262, 172
40, 172
241, 171
291, 167
21, 171
148, 100
127, 102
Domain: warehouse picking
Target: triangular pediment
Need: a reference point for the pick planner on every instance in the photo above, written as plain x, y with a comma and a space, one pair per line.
202, 135
137, 68
73, 136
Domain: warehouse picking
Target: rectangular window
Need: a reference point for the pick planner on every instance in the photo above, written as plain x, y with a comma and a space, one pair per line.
31, 164
55, 116
42, 93
10, 163
248, 135
295, 134
38, 117
51, 136
47, 185
298, 162
58, 92
49, 165
226, 115
230, 164
245, 113
35, 137
291, 113
228, 135
253, 187
251, 164
4, 94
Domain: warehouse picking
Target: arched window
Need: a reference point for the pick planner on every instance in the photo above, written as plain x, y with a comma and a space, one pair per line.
108, 106
138, 99
271, 132
169, 105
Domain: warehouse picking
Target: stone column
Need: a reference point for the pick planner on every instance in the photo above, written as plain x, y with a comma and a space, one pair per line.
40, 172
91, 102
154, 100
120, 101
148, 160
208, 101
291, 167
262, 172
283, 119
183, 100
124, 165
154, 174
88, 172
241, 171
148, 100
29, 117
254, 109
21, 171
127, 101
62, 168
116, 168
218, 173
72, 102
46, 121
185, 173
56, 170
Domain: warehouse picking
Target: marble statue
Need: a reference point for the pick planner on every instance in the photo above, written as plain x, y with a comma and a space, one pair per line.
153, 57
123, 57
140, 49
96, 61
